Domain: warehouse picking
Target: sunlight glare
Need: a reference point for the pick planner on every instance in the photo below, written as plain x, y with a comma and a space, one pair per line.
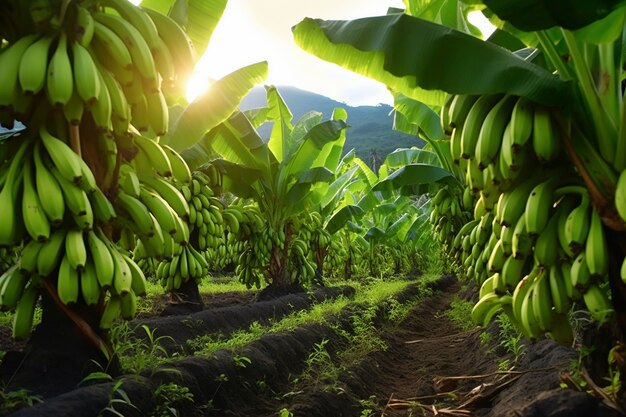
199, 82
479, 20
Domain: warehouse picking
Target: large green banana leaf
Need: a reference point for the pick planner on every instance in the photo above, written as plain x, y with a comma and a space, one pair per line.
236, 141
532, 15
402, 52
198, 17
344, 215
214, 106
410, 175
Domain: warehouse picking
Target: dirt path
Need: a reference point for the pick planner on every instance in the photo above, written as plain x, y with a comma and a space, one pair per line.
428, 367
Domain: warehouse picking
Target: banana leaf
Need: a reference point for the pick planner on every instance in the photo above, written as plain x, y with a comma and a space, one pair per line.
402, 157
451, 13
411, 175
419, 114
340, 218
281, 136
533, 15
401, 52
214, 106
236, 141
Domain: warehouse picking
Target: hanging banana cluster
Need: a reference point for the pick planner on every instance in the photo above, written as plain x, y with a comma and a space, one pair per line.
189, 264
449, 211
536, 243
94, 74
206, 212
336, 258
110, 59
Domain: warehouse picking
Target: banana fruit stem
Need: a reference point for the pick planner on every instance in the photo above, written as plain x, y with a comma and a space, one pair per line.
75, 139
63, 10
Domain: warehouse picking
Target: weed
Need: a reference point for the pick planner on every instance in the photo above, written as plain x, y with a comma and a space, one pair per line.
285, 413
170, 398
241, 361
510, 338
320, 369
136, 354
117, 396
19, 398
485, 338
460, 313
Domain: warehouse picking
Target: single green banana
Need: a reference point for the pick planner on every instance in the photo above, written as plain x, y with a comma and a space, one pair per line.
34, 64
60, 81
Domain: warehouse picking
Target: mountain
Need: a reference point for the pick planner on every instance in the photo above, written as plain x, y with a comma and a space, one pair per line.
370, 133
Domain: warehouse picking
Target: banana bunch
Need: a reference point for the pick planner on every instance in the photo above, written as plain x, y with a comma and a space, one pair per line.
189, 264
47, 184
153, 209
86, 265
112, 60
448, 212
336, 258
555, 255
302, 268
207, 212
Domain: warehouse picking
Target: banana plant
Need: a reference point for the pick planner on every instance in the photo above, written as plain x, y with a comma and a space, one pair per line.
564, 60
81, 139
279, 175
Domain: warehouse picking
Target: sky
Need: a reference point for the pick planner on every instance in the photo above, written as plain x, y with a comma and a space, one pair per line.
260, 30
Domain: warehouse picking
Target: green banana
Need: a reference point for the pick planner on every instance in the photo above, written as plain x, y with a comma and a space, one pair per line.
9, 67
137, 212
51, 253
579, 273
542, 302
86, 79
558, 290
75, 249
577, 225
539, 206
68, 283
598, 304
155, 154
89, 285
544, 135
35, 219
102, 259
596, 247
84, 26
12, 284
492, 131
547, 243
137, 47
60, 82
48, 189
112, 45
34, 64
62, 156
25, 312
473, 123
166, 190
521, 123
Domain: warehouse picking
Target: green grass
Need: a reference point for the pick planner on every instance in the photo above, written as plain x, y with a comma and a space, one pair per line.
374, 293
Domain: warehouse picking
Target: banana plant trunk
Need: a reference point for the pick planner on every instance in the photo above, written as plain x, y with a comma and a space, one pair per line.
278, 270
187, 298
62, 350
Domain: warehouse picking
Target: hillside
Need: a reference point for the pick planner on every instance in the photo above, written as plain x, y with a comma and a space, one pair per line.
370, 132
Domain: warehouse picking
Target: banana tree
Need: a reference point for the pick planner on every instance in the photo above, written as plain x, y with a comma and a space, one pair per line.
90, 81
279, 175
546, 98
